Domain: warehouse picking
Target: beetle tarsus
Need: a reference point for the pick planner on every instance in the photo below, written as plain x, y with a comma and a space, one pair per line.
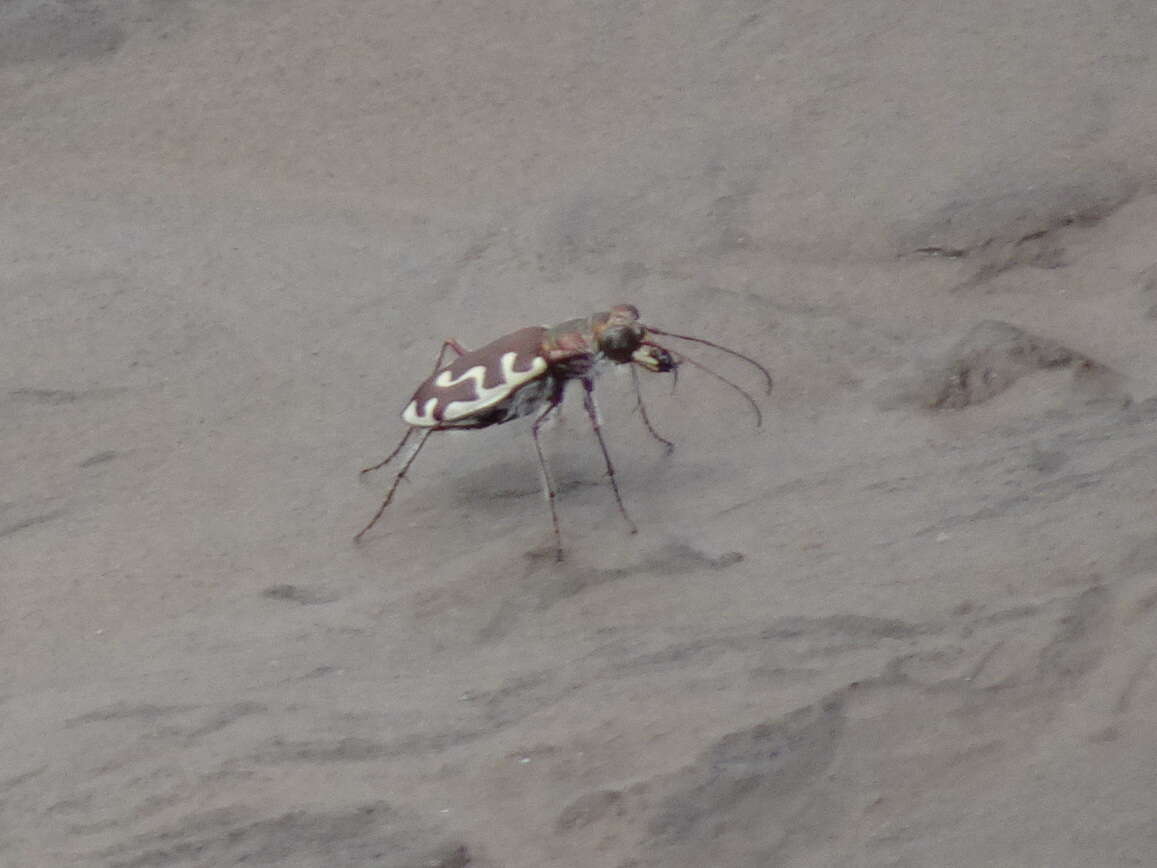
397, 481
667, 444
547, 482
391, 456
592, 412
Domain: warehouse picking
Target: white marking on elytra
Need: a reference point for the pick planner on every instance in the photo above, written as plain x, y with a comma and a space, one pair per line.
422, 419
485, 397
511, 380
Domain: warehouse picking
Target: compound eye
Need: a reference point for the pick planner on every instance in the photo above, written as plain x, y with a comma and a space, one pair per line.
619, 342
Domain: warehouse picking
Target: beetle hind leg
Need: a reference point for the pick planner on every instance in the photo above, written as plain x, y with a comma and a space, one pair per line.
447, 343
391, 456
401, 474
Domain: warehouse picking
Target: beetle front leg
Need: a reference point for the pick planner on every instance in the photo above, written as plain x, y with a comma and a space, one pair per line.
592, 412
667, 444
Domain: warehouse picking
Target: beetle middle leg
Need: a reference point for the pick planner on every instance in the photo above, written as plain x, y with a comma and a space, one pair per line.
401, 474
592, 412
547, 481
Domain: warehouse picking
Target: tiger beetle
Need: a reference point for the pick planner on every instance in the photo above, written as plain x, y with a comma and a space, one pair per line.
526, 372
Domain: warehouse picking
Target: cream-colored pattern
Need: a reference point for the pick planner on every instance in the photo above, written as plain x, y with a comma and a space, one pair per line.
484, 397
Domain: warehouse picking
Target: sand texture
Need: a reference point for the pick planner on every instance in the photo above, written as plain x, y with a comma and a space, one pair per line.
910, 622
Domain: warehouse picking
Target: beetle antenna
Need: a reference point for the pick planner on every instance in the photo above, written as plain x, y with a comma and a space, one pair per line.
748, 359
747, 395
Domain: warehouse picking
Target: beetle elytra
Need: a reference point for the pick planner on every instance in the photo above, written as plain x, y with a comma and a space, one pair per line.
526, 372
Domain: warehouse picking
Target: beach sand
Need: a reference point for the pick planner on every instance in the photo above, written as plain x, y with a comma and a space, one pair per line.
908, 622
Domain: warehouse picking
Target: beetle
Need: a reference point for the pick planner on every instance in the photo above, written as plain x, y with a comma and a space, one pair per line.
526, 372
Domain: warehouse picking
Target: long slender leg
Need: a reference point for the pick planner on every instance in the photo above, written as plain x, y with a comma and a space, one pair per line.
452, 344
547, 482
593, 413
397, 479
391, 456
460, 350
670, 447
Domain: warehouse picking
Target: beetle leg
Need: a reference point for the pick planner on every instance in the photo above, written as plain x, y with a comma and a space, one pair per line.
670, 447
592, 412
397, 479
390, 457
452, 344
547, 482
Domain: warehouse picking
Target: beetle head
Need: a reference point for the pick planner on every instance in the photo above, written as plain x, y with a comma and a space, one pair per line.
618, 333
619, 343
623, 339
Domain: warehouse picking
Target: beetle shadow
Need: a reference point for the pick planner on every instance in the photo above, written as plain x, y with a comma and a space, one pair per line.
545, 582
556, 582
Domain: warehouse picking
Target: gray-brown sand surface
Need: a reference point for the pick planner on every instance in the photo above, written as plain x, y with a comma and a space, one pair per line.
912, 621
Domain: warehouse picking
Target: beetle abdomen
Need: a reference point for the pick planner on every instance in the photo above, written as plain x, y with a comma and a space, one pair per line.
465, 392
523, 401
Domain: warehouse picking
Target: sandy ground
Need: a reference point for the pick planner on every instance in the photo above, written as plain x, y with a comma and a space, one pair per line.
909, 622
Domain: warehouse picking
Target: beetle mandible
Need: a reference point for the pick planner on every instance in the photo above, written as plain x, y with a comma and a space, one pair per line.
527, 371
